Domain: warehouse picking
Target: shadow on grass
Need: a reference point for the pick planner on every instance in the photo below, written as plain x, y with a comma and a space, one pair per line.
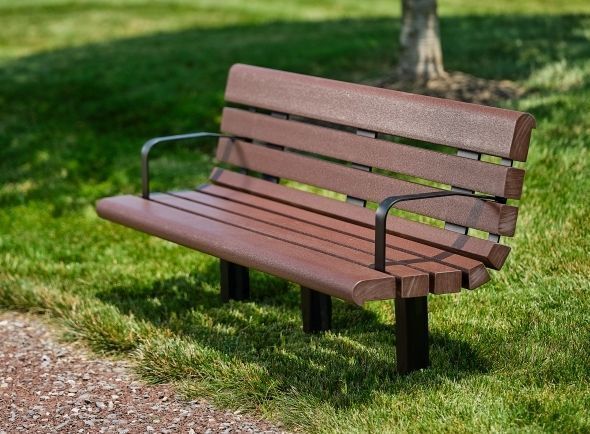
343, 367
73, 119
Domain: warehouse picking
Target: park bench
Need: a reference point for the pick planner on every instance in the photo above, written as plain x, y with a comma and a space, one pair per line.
455, 167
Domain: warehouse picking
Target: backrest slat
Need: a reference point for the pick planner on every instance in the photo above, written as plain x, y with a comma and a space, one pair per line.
330, 134
487, 130
430, 165
489, 217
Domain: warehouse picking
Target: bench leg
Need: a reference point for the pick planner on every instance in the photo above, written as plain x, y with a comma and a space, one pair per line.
411, 330
235, 281
316, 310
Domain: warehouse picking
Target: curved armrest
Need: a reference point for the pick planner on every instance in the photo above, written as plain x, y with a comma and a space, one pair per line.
147, 147
387, 204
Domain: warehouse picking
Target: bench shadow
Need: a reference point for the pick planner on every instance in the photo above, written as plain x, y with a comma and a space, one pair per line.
354, 360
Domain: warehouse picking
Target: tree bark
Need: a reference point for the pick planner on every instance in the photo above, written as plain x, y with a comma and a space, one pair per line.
421, 54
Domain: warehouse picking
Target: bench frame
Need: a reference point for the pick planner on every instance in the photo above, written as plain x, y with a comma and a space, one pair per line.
350, 139
412, 336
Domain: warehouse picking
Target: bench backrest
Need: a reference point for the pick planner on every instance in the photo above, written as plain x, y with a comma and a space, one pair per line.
345, 138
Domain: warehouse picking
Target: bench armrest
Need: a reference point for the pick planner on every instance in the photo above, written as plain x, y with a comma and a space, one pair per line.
147, 147
388, 203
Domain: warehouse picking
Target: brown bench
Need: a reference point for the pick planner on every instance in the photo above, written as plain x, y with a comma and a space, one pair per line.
345, 138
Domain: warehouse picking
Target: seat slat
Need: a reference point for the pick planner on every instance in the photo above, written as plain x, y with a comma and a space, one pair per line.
490, 217
410, 282
488, 130
354, 236
491, 254
443, 277
470, 174
474, 271
301, 265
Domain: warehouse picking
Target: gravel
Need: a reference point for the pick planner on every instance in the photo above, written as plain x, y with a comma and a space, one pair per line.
47, 386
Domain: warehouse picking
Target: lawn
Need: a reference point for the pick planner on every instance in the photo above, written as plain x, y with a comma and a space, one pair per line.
84, 83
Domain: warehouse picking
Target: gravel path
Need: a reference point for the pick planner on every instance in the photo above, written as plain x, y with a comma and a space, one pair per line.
47, 386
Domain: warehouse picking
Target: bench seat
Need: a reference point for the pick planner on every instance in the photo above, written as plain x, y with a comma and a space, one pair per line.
306, 247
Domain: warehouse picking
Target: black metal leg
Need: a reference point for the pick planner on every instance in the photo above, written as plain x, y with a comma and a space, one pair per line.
411, 330
316, 310
235, 281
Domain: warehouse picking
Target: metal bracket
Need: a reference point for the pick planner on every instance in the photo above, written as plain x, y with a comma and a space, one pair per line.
494, 237
508, 163
270, 178
355, 200
464, 230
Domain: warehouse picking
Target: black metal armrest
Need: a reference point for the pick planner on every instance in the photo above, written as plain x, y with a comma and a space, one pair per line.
147, 147
387, 204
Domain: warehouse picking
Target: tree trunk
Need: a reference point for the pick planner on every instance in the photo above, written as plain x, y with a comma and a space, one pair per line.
421, 54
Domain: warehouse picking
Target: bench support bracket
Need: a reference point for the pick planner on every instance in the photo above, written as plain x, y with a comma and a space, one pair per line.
235, 281
411, 330
316, 310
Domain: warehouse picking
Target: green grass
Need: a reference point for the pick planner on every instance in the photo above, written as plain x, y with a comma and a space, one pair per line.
84, 83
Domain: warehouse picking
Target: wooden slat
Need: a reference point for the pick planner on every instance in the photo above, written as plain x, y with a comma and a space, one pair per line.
298, 264
474, 213
491, 254
410, 282
488, 130
443, 278
474, 272
448, 169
